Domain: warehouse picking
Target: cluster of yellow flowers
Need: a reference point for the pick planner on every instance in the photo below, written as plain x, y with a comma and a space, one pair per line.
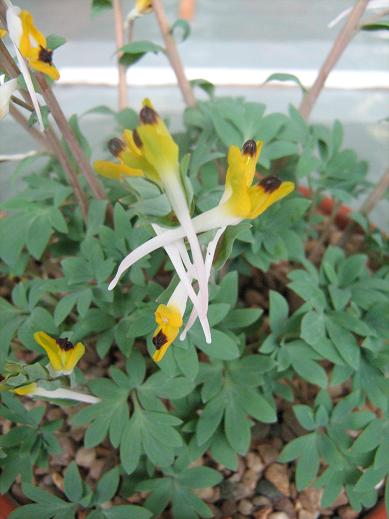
150, 151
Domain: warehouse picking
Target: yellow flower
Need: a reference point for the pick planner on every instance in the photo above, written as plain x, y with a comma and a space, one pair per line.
242, 199
28, 389
169, 320
31, 42
3, 32
141, 7
63, 355
130, 161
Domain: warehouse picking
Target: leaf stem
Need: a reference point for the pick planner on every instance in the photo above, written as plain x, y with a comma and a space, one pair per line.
342, 40
172, 53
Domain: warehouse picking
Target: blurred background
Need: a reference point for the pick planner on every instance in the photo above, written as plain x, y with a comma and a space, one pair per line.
236, 44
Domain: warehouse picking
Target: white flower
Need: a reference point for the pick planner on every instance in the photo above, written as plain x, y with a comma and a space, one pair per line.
7, 88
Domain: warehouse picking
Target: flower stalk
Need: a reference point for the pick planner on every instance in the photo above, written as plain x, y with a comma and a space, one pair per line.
119, 35
343, 39
65, 394
172, 53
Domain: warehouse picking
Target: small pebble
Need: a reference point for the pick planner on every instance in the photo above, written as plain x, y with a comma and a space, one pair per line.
277, 474
57, 480
278, 515
265, 488
205, 493
85, 457
255, 462
306, 514
228, 508
245, 507
346, 512
262, 513
268, 453
261, 501
310, 499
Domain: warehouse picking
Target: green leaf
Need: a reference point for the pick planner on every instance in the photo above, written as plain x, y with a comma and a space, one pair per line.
278, 76
199, 477
64, 307
206, 86
222, 346
100, 5
378, 26
344, 342
304, 415
279, 149
182, 27
73, 483
107, 486
296, 448
54, 41
38, 235
126, 512
278, 313
222, 452
313, 327
134, 51
310, 370
237, 426
242, 317
370, 438
226, 244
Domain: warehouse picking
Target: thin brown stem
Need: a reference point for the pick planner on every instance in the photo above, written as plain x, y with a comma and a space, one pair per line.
368, 205
71, 175
130, 30
69, 136
343, 39
23, 122
172, 54
22, 103
49, 141
119, 34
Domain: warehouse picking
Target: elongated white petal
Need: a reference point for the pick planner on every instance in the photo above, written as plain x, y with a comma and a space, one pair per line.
212, 219
6, 91
15, 30
177, 198
65, 394
211, 250
172, 251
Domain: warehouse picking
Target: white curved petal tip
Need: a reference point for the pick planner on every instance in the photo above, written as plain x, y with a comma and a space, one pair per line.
113, 284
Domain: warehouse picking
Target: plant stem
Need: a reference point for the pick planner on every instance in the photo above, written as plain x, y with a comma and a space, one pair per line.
53, 145
72, 177
69, 136
35, 134
119, 34
22, 103
172, 54
343, 39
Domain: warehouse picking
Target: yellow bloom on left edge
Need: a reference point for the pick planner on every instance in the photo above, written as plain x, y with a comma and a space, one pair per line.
63, 354
30, 41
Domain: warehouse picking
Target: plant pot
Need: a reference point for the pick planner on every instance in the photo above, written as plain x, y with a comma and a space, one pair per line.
6, 506
379, 512
326, 206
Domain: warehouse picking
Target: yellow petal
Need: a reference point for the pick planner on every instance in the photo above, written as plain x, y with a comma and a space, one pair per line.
114, 170
25, 390
73, 356
262, 198
45, 68
3, 32
168, 315
30, 32
144, 6
169, 319
52, 349
159, 148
